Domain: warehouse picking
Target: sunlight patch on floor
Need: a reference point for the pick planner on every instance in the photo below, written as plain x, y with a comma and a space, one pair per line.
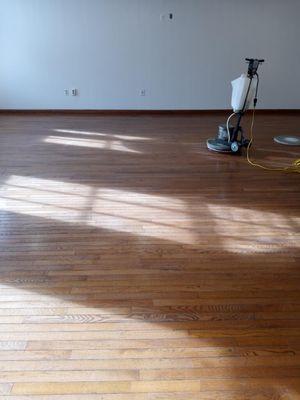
266, 231
139, 214
115, 145
108, 135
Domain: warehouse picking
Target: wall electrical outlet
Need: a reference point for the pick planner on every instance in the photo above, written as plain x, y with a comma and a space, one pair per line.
167, 17
66, 92
74, 92
143, 92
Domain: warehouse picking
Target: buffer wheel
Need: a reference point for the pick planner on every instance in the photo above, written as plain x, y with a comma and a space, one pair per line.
235, 147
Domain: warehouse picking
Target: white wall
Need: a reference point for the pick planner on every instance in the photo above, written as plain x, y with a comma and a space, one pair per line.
110, 49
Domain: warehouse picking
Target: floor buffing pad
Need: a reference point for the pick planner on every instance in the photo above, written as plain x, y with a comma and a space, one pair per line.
220, 144
288, 140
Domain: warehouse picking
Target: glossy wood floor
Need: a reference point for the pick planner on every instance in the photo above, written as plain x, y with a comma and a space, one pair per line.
137, 265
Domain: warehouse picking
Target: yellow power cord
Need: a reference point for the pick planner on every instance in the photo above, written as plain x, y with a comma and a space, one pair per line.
295, 167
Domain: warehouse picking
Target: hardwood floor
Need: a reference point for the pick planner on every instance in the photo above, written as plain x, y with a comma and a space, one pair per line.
137, 265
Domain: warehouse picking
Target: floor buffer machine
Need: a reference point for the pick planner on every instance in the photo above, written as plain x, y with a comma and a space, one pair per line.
230, 139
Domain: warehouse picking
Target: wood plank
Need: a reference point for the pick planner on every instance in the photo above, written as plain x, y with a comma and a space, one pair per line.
138, 343
72, 376
159, 364
266, 394
147, 386
60, 388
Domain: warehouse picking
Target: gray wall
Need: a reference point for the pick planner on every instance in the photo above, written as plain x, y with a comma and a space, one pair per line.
111, 49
